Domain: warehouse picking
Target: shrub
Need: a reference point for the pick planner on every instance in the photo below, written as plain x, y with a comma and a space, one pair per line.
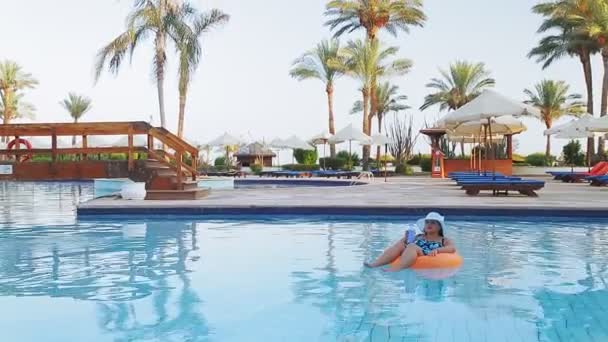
306, 157
256, 168
220, 161
537, 159
300, 167
572, 153
354, 158
404, 169
415, 159
425, 163
518, 158
332, 163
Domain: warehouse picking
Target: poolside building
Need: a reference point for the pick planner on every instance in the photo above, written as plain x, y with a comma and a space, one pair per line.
254, 153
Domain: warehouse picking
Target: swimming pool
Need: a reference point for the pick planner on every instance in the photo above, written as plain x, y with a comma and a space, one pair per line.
294, 279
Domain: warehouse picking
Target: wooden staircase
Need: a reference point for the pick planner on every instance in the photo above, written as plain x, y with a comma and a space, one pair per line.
166, 174
169, 173
162, 183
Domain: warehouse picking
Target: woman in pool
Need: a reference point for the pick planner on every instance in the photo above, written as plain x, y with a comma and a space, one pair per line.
431, 242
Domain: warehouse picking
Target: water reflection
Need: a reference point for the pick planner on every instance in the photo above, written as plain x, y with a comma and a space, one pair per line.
514, 274
122, 267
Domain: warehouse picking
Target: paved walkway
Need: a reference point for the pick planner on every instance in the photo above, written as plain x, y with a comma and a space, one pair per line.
399, 195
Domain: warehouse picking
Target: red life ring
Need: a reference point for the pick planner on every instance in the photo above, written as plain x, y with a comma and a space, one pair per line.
25, 157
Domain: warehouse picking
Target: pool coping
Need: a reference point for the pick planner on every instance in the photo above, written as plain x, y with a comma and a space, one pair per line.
290, 210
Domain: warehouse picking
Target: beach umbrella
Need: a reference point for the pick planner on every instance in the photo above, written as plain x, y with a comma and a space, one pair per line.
225, 141
487, 106
295, 143
380, 140
322, 139
598, 125
500, 126
584, 122
350, 134
573, 132
278, 144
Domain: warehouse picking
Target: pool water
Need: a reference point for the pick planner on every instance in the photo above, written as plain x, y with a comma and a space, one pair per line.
288, 279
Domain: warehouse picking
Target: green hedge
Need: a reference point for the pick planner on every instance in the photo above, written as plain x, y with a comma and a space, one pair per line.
300, 167
425, 163
537, 159
220, 161
256, 168
306, 157
404, 169
332, 163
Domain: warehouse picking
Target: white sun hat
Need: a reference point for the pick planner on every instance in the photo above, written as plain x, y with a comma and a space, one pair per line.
433, 216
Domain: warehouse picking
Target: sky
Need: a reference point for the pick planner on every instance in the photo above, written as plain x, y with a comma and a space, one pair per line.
243, 84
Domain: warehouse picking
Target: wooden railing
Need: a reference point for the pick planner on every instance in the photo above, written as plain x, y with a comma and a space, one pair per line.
172, 154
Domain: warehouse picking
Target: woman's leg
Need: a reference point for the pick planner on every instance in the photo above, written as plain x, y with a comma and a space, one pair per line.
389, 255
408, 258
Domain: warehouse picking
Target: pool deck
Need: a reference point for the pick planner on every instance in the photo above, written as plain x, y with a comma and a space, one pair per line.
399, 196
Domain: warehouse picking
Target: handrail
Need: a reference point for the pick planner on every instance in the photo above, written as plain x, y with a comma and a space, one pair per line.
130, 129
163, 134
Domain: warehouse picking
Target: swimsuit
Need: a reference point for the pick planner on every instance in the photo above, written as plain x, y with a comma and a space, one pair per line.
428, 246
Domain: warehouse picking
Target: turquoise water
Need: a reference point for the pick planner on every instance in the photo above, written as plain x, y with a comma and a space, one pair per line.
286, 280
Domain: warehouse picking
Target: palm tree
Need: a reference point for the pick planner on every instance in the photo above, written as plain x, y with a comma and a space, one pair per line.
12, 81
366, 61
388, 101
569, 41
157, 18
464, 82
317, 64
592, 21
190, 51
77, 106
373, 15
553, 100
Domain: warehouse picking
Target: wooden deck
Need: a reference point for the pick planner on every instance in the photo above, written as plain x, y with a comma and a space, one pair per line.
168, 171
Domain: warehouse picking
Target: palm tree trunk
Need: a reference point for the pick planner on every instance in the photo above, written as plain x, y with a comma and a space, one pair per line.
159, 61
379, 149
182, 112
74, 137
604, 103
329, 89
366, 148
548, 149
585, 58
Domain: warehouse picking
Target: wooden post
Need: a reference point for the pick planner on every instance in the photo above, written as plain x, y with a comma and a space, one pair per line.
150, 143
509, 146
178, 157
17, 147
85, 145
195, 165
130, 153
54, 147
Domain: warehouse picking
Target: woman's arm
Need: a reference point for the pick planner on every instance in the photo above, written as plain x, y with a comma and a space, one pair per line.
448, 247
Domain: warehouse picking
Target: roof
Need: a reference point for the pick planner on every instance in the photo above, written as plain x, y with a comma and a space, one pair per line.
254, 150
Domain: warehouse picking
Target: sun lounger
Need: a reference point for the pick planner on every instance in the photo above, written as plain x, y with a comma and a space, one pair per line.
499, 187
599, 169
291, 174
599, 180
456, 175
336, 174
460, 182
